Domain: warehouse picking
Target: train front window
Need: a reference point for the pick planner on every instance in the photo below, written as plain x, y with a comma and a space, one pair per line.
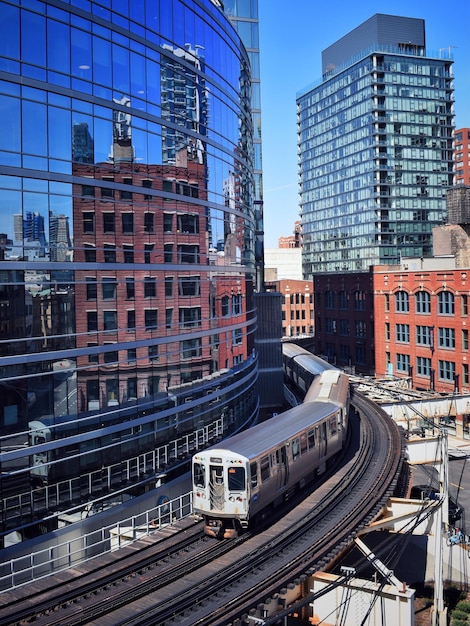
217, 473
199, 475
236, 478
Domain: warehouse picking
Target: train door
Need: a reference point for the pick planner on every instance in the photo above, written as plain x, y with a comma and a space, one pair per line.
322, 440
283, 467
216, 487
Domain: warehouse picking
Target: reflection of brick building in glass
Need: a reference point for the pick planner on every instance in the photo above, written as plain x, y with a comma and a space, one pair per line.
128, 227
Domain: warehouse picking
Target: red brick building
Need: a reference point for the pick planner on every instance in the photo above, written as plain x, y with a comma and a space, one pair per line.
462, 156
297, 306
422, 325
344, 320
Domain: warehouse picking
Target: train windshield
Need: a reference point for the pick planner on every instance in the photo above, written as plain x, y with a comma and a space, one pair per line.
236, 478
199, 475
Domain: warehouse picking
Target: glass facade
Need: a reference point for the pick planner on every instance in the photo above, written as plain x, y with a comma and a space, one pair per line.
375, 159
127, 248
243, 15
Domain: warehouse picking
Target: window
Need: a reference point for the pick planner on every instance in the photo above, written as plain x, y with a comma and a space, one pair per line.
189, 286
465, 339
88, 191
167, 185
153, 353
330, 325
110, 356
168, 222
188, 253
150, 319
254, 474
360, 355
387, 331
128, 254
465, 374
132, 355
199, 475
148, 249
131, 320
344, 327
109, 288
225, 306
109, 222
360, 328
446, 338
150, 287
236, 478
447, 370
402, 333
110, 320
188, 224
264, 468
295, 447
423, 366
343, 300
168, 286
359, 300
464, 299
424, 335
236, 304
329, 300
237, 336
311, 439
191, 348
90, 253
91, 289
127, 222
190, 317
109, 253
423, 302
124, 193
93, 357
107, 193
92, 321
88, 221
168, 318
130, 288
445, 303
147, 184
403, 363
168, 253
402, 304
149, 222
387, 302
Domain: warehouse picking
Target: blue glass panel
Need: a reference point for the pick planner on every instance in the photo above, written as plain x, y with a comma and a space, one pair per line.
10, 29
58, 47
103, 140
81, 54
101, 61
121, 80
137, 75
60, 146
33, 38
34, 126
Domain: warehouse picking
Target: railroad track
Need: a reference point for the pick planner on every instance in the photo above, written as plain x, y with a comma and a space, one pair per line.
202, 581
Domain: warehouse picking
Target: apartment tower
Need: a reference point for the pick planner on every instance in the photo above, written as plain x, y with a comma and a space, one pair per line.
375, 139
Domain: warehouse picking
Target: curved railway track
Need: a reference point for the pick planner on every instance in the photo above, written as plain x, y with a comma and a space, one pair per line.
202, 581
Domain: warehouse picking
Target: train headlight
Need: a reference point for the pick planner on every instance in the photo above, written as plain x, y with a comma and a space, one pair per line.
231, 499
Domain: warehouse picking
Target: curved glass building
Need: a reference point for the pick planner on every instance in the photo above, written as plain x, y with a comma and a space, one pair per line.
127, 256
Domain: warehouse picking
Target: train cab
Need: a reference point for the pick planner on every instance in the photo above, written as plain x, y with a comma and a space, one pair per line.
221, 491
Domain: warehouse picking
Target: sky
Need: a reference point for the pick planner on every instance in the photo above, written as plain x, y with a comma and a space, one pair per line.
293, 35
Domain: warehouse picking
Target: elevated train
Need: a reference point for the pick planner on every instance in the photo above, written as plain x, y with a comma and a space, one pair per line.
246, 476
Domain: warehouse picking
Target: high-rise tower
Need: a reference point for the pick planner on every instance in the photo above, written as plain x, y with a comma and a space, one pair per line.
375, 148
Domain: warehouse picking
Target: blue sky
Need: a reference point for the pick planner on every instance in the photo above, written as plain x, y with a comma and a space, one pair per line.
292, 37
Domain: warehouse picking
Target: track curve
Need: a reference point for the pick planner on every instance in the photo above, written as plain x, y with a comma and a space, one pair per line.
202, 582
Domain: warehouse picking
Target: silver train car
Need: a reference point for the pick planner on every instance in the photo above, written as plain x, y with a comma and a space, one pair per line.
301, 367
250, 474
